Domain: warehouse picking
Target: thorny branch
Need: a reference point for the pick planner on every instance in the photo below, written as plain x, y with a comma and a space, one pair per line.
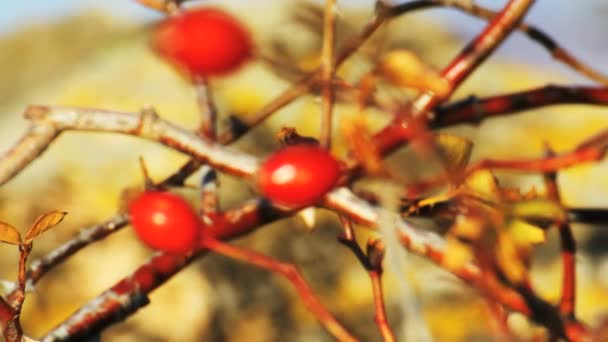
128, 295
372, 262
557, 51
393, 135
291, 273
567, 302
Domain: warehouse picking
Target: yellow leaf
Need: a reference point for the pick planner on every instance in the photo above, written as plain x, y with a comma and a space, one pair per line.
538, 210
525, 235
484, 184
43, 223
468, 226
509, 260
403, 68
457, 254
9, 234
455, 150
434, 200
365, 151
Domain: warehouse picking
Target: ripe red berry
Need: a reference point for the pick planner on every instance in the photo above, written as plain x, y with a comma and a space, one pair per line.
298, 175
165, 221
204, 42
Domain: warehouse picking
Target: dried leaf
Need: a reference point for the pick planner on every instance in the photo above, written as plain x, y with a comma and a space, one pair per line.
538, 211
457, 254
509, 260
484, 184
43, 223
525, 236
9, 234
365, 151
455, 150
469, 227
403, 68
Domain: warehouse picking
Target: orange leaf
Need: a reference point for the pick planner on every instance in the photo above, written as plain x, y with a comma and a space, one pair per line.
364, 150
43, 223
9, 234
455, 150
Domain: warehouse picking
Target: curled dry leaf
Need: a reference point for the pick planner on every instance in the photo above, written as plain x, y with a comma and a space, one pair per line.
509, 260
9, 234
404, 69
525, 236
364, 150
43, 223
455, 151
484, 184
538, 211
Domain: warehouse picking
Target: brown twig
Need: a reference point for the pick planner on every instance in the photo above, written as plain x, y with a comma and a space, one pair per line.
592, 149
40, 267
392, 136
567, 304
207, 129
520, 300
131, 293
474, 110
124, 298
304, 85
327, 72
372, 262
291, 273
558, 52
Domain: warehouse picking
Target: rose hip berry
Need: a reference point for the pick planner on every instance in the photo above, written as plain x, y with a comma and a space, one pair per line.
298, 176
165, 221
204, 42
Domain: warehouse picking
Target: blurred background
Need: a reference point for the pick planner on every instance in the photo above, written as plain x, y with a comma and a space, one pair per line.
96, 54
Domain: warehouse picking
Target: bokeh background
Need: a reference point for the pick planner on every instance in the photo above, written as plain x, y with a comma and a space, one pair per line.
96, 54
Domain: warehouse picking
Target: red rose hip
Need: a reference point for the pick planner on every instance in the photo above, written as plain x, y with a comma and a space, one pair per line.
204, 42
298, 176
165, 221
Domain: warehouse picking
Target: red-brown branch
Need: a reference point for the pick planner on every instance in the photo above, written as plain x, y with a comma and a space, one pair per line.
567, 304
592, 149
393, 135
474, 110
304, 85
520, 300
380, 308
374, 270
291, 273
558, 52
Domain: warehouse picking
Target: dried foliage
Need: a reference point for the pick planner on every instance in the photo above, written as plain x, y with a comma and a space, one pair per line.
489, 232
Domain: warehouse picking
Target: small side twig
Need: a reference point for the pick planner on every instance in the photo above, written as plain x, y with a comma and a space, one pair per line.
327, 72
307, 83
590, 150
558, 52
567, 303
207, 129
393, 135
474, 110
372, 262
290, 272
